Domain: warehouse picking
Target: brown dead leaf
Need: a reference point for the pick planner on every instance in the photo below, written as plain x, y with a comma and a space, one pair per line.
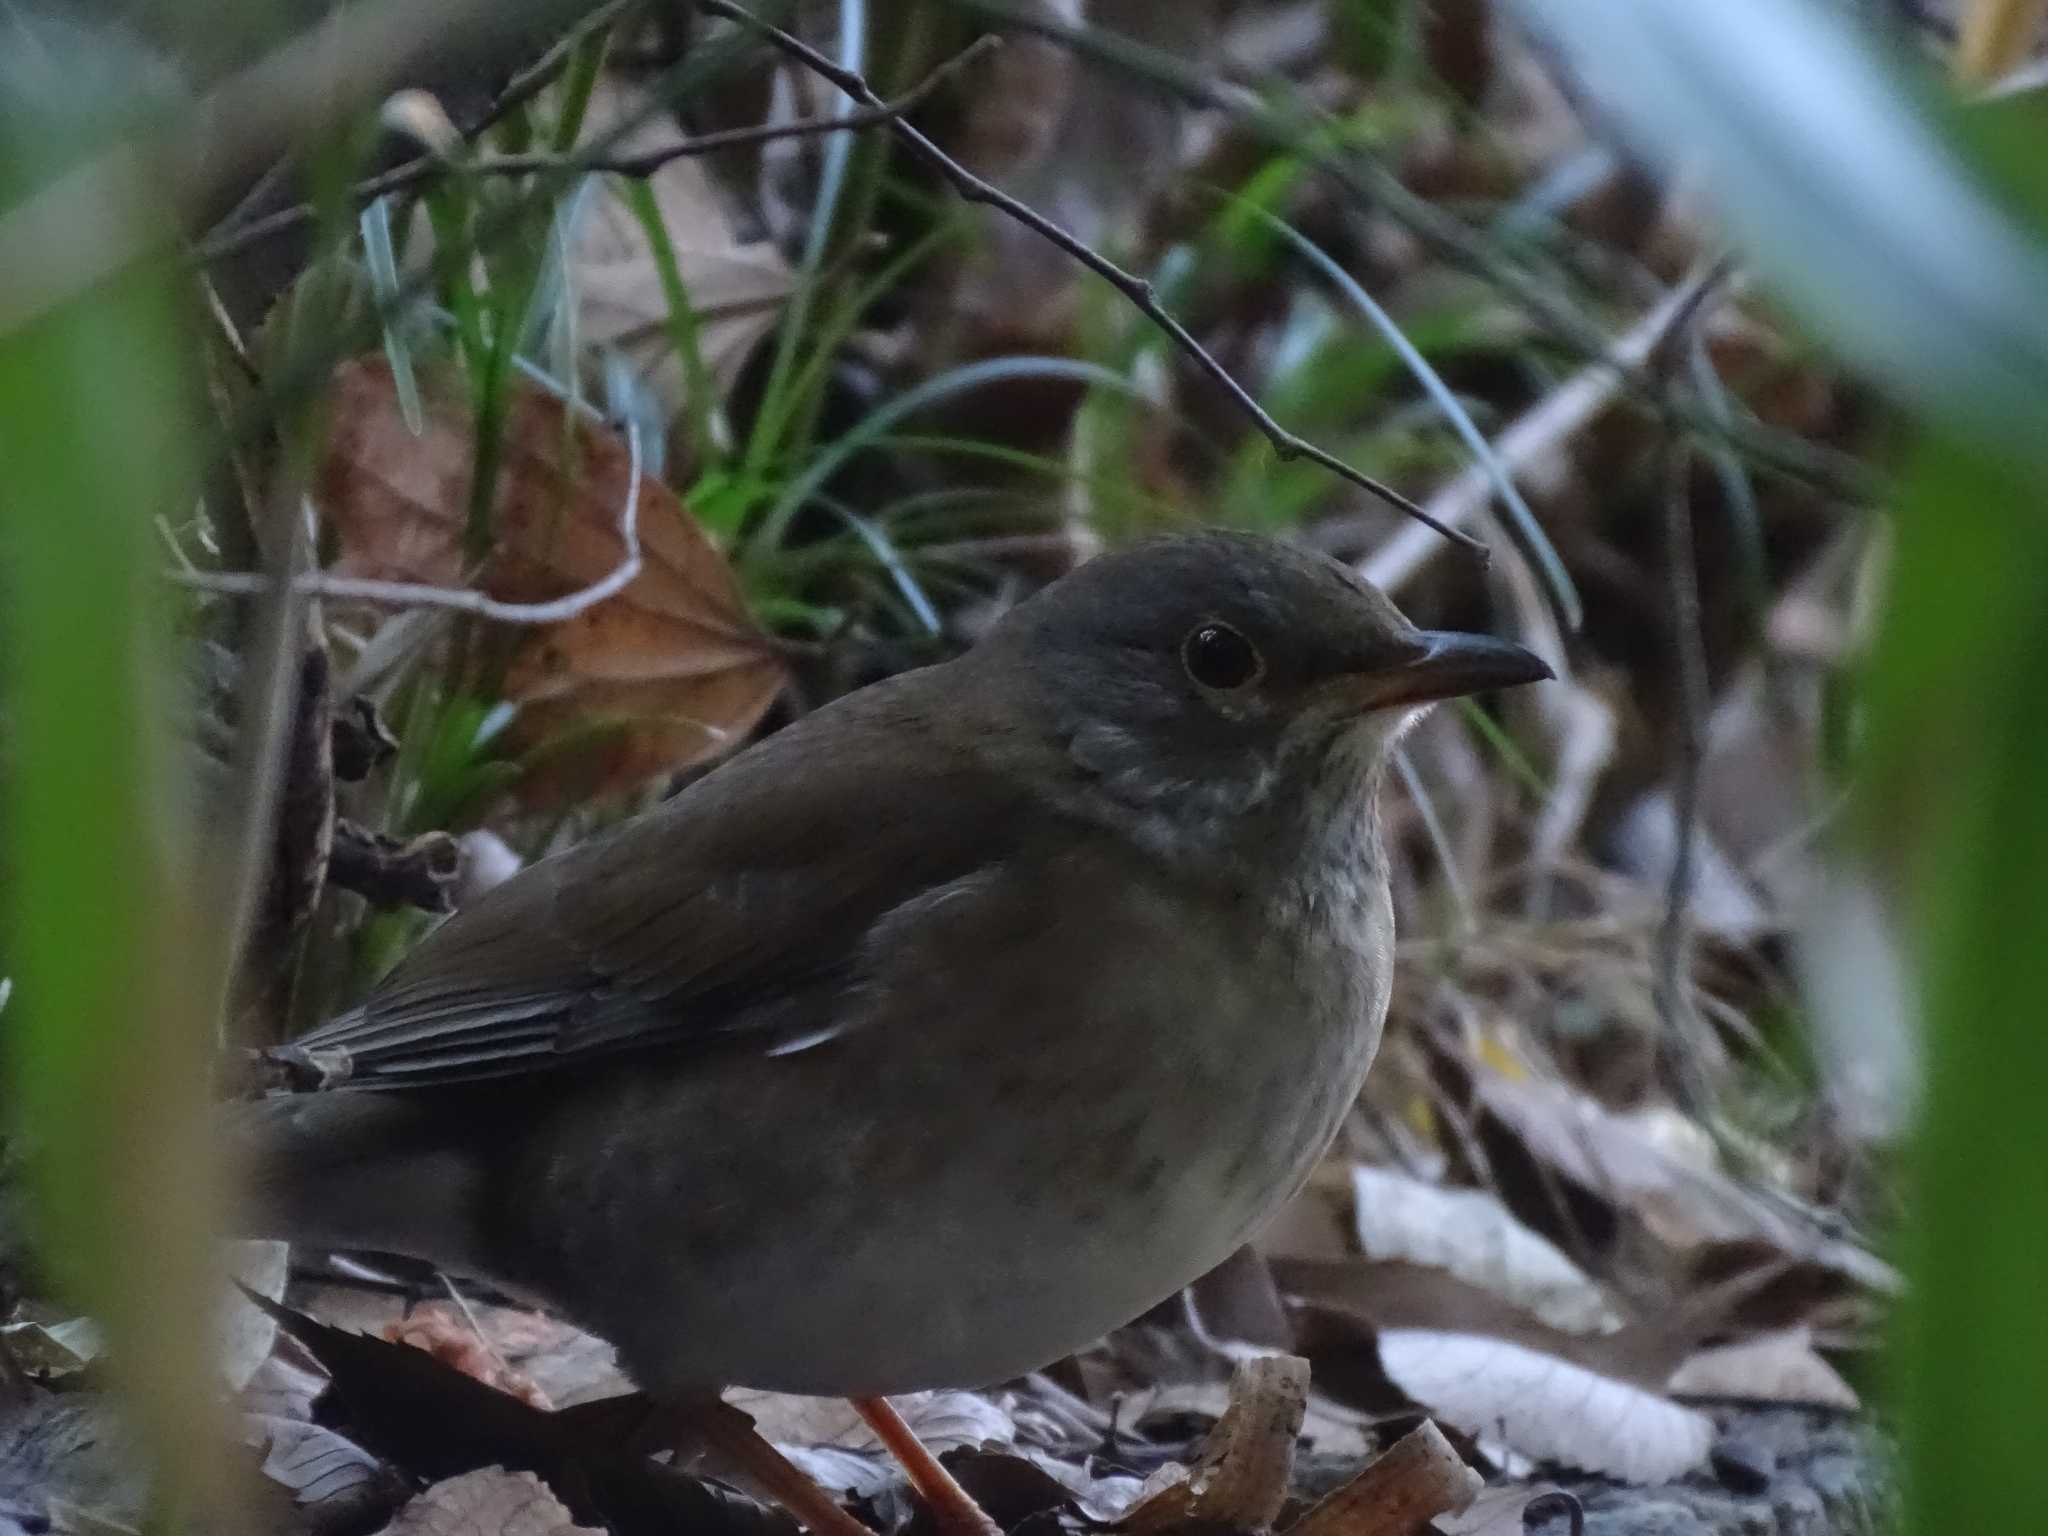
1239, 1481
1317, 1223
487, 1502
1237, 1305
1076, 143
665, 673
1417, 1478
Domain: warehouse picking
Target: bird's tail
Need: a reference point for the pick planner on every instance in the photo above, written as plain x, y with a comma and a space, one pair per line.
356, 1170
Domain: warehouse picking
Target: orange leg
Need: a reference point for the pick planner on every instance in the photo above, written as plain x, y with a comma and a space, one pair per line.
951, 1505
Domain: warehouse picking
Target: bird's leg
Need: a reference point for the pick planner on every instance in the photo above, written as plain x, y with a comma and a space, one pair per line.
952, 1506
729, 1435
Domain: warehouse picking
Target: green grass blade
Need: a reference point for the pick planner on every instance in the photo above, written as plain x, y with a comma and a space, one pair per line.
1529, 536
933, 391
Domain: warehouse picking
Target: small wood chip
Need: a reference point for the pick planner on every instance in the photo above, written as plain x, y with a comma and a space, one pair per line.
1240, 1479
1416, 1479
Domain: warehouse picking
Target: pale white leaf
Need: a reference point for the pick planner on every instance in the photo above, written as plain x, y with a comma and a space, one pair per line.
245, 1333
1545, 1407
487, 1502
1778, 1367
1470, 1234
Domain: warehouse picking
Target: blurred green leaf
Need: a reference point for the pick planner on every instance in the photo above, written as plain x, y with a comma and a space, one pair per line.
1844, 184
110, 1031
1955, 803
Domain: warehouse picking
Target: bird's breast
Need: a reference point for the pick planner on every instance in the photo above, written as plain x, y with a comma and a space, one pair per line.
1067, 1090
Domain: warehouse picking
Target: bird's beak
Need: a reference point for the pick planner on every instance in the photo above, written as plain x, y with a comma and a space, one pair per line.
1448, 665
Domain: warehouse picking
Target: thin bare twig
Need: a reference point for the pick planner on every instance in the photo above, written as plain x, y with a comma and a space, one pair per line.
971, 188
1672, 988
411, 594
429, 168
540, 74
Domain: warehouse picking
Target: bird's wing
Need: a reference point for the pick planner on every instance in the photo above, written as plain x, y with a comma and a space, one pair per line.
741, 913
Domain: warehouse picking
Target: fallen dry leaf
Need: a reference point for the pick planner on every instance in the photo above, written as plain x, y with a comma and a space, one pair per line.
245, 1334
1470, 1234
1779, 1367
1346, 1300
942, 1420
1690, 1208
1544, 1407
487, 1502
322, 1468
1417, 1478
665, 673
52, 1351
1328, 1428
1239, 1480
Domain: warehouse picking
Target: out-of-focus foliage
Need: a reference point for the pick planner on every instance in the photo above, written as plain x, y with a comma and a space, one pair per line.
109, 1031
1875, 217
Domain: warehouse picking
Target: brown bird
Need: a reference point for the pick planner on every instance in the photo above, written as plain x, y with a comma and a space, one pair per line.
946, 1029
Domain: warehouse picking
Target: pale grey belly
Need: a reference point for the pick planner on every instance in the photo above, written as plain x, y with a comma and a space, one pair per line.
812, 1241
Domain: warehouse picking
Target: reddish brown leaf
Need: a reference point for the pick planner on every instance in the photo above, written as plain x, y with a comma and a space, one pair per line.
665, 673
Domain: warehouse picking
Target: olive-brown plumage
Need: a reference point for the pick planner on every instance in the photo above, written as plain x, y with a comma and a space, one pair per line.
954, 1024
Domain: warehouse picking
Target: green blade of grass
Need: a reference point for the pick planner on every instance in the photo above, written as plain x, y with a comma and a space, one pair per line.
699, 400
1951, 801
933, 391
382, 264
1536, 548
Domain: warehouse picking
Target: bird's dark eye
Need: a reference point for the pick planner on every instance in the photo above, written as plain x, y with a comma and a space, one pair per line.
1217, 656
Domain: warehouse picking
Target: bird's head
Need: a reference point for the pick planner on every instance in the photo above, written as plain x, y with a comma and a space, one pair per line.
1201, 677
